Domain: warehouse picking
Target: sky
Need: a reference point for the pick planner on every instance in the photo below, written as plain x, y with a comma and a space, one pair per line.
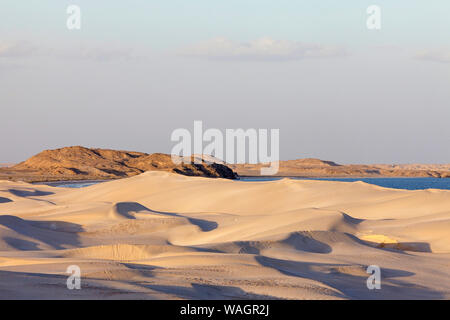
137, 70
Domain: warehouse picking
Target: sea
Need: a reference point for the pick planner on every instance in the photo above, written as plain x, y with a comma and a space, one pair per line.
394, 183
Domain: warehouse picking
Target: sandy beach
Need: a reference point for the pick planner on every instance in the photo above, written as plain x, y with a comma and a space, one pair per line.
160, 235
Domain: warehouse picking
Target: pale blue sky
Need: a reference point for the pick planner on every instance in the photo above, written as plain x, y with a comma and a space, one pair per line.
139, 69
170, 23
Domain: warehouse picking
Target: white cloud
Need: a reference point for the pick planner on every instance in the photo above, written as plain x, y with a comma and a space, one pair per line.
441, 55
261, 49
104, 53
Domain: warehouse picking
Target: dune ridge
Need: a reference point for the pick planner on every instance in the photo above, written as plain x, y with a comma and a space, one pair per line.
160, 235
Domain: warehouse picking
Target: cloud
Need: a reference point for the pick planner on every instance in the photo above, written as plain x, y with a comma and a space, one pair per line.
16, 50
261, 49
98, 54
441, 55
104, 53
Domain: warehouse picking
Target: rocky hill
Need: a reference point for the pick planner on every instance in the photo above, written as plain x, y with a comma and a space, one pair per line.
79, 163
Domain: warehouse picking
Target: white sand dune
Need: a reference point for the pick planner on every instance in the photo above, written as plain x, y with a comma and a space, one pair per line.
166, 236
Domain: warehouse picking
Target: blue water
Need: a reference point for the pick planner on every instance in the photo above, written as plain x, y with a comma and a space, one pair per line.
72, 184
395, 183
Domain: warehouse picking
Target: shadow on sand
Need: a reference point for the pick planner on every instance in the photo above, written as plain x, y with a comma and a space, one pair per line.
126, 209
5, 200
55, 234
351, 281
29, 193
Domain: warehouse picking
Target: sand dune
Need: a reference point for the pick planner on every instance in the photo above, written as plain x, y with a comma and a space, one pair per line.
160, 235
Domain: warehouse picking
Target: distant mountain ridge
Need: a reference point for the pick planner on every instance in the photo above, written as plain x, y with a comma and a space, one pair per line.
311, 167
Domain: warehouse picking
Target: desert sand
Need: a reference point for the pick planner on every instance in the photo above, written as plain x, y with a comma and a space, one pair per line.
159, 235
